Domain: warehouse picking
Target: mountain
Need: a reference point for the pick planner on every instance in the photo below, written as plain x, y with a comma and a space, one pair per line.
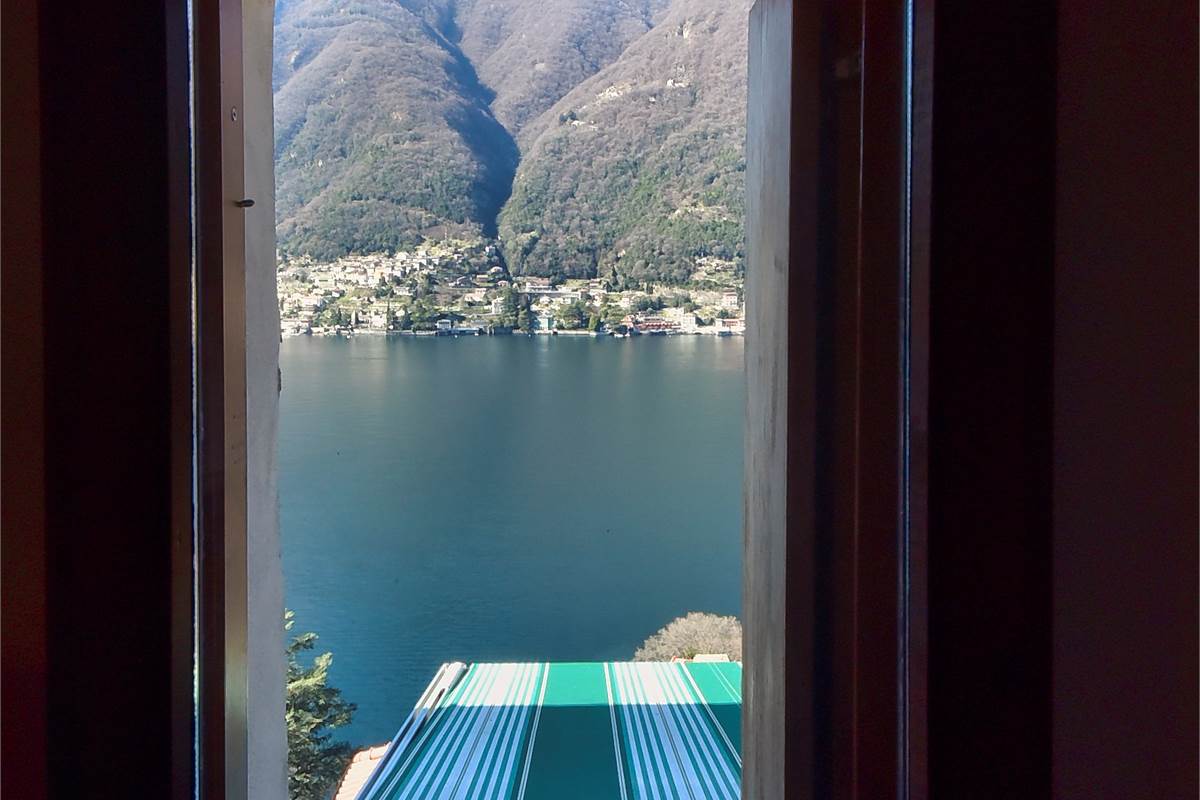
532, 52
404, 120
383, 132
640, 169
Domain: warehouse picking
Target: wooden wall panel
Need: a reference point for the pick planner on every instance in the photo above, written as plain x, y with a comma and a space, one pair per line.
991, 328
23, 654
1125, 401
102, 191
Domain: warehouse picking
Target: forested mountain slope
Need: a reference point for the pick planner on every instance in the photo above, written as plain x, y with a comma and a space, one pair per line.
402, 120
641, 168
383, 133
532, 52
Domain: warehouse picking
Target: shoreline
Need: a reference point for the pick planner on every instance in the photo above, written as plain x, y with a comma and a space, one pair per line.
352, 333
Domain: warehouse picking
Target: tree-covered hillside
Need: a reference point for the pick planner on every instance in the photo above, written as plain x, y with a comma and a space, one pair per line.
532, 52
383, 134
399, 121
640, 169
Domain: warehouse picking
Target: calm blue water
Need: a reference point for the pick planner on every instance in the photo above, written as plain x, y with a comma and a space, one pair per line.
503, 498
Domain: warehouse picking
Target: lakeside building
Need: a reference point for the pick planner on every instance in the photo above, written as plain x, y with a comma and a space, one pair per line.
731, 327
684, 319
586, 731
651, 325
375, 293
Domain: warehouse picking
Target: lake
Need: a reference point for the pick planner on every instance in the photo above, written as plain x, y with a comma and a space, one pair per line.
503, 498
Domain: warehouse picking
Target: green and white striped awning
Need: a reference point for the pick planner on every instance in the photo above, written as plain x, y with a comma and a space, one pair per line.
623, 731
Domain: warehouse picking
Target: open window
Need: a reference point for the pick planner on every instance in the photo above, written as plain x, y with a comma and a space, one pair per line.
837, 347
971, 473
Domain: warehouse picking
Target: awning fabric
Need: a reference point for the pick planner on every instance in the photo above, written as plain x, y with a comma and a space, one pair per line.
538, 731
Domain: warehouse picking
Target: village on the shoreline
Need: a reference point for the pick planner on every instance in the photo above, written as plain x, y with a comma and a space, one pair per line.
456, 288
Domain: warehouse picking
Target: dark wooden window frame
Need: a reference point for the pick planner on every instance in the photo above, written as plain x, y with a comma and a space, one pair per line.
899, 523
837, 355
842, 514
851, 612
900, 285
221, 410
98, 485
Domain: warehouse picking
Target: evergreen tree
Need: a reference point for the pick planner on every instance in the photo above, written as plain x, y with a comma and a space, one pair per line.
313, 709
511, 304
